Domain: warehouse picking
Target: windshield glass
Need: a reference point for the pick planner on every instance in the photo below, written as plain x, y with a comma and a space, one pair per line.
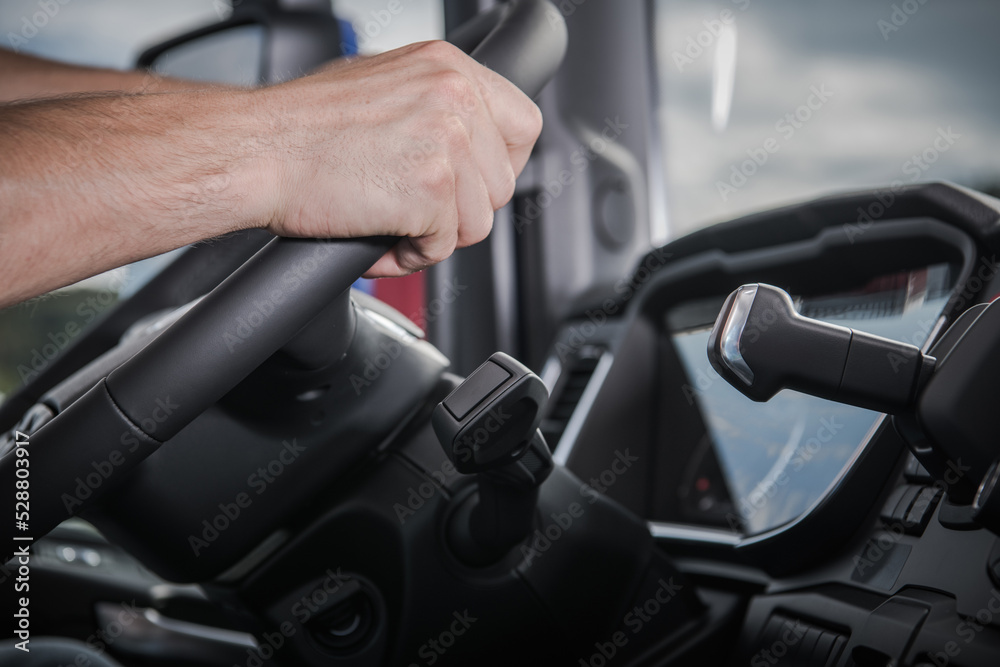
765, 103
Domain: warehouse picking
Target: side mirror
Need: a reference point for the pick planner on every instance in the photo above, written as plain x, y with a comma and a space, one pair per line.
262, 42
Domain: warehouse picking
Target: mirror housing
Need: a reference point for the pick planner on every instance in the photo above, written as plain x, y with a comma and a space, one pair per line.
294, 36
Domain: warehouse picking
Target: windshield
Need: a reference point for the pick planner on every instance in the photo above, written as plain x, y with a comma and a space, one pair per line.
765, 103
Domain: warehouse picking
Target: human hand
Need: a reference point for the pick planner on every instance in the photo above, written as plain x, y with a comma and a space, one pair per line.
421, 142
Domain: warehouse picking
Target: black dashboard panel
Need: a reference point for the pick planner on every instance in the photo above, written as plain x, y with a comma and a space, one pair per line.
758, 466
876, 567
897, 279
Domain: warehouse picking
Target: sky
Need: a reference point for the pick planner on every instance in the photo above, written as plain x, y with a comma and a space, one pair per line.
891, 80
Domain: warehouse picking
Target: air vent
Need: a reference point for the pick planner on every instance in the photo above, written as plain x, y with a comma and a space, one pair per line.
573, 381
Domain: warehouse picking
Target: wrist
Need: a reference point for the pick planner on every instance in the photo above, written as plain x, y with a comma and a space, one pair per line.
259, 142
246, 138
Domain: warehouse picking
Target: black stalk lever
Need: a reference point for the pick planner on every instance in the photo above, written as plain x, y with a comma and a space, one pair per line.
760, 345
488, 426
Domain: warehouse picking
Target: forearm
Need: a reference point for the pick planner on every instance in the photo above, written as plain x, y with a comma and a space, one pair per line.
24, 76
92, 183
420, 143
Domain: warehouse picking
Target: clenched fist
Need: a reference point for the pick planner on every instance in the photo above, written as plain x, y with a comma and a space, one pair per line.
421, 142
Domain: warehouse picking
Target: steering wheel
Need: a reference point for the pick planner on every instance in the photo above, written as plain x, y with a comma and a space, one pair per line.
227, 334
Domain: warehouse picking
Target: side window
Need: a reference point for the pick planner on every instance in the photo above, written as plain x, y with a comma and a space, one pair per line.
112, 35
99, 34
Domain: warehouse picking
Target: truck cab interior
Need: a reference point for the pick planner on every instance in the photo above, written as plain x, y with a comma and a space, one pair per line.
718, 389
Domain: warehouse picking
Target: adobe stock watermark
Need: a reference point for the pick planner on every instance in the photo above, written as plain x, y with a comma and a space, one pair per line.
786, 126
374, 365
435, 647
102, 470
986, 271
878, 548
917, 339
295, 278
86, 311
580, 333
696, 45
303, 609
112, 629
882, 544
916, 166
466, 102
258, 481
704, 378
967, 631
898, 17
391, 350
31, 26
566, 8
268, 644
635, 620
793, 633
448, 295
781, 474
580, 160
315, 600
417, 497
541, 541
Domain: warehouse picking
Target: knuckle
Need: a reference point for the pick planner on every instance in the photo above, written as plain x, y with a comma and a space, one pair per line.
505, 191
439, 51
454, 136
439, 255
438, 252
481, 229
455, 90
438, 179
533, 121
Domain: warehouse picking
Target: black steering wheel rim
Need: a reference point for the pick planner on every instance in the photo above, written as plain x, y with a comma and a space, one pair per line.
252, 313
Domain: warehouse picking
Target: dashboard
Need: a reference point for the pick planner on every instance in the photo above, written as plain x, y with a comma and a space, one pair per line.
797, 518
799, 512
758, 466
715, 467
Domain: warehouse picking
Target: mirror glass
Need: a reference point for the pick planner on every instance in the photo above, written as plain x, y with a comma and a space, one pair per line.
230, 56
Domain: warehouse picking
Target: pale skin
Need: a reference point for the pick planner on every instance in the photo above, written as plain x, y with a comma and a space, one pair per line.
420, 142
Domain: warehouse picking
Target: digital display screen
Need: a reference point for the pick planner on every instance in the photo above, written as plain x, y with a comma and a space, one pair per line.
761, 465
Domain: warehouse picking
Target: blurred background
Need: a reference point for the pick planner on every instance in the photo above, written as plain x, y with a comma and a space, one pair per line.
759, 104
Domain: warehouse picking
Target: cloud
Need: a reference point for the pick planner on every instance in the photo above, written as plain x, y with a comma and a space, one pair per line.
889, 98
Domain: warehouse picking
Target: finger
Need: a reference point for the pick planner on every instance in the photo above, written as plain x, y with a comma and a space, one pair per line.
474, 207
387, 266
517, 118
515, 115
492, 158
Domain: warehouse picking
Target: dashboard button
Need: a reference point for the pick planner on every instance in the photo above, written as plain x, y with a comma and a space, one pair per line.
897, 507
915, 472
920, 512
476, 389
